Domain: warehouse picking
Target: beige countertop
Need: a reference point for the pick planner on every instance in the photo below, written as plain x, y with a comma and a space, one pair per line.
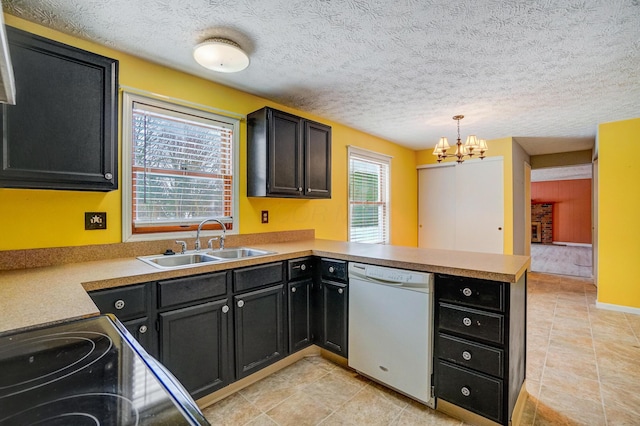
46, 295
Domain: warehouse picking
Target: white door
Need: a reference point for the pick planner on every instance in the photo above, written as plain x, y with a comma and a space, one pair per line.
461, 207
436, 207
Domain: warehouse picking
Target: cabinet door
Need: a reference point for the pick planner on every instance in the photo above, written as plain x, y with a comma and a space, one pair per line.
62, 132
259, 329
285, 154
317, 148
335, 304
299, 298
195, 346
144, 332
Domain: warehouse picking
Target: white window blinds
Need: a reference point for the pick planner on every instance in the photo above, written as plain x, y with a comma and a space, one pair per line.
182, 166
368, 196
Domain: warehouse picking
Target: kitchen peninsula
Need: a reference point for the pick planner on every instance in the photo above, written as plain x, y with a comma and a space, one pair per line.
57, 293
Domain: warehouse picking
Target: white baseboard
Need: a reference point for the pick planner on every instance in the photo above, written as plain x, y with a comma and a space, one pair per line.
618, 308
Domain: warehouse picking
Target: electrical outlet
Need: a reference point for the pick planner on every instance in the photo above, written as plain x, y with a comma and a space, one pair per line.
95, 220
265, 216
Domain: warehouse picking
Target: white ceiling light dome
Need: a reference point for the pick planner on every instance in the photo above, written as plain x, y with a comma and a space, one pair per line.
221, 54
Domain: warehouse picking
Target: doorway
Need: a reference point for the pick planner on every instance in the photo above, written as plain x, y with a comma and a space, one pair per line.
561, 199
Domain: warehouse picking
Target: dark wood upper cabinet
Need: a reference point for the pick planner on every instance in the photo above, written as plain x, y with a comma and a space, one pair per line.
288, 156
62, 132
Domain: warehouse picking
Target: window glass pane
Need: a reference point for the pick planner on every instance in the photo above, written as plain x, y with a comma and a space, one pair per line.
368, 198
181, 167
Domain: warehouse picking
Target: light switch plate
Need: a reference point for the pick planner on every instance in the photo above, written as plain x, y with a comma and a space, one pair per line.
95, 220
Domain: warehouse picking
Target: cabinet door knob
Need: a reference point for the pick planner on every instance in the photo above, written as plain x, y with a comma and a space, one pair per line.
142, 329
467, 291
465, 391
119, 304
466, 355
108, 175
293, 289
332, 269
240, 303
225, 309
308, 189
340, 291
303, 267
466, 321
299, 189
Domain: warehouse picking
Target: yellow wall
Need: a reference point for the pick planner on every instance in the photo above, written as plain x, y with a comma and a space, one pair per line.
497, 147
39, 219
618, 213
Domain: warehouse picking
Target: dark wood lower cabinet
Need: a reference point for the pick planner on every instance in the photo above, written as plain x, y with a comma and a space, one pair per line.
195, 346
299, 295
334, 320
259, 329
145, 333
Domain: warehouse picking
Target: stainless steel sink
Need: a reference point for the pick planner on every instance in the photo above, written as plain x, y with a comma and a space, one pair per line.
188, 260
238, 253
178, 260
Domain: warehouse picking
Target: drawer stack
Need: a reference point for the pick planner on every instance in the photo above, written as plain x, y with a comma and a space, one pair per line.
479, 345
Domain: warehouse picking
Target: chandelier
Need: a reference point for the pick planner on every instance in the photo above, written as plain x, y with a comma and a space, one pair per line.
473, 146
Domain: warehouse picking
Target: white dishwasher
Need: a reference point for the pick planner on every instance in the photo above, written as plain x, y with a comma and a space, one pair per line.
391, 328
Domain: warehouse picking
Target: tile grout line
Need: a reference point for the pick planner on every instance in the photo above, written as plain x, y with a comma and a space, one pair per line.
595, 353
544, 365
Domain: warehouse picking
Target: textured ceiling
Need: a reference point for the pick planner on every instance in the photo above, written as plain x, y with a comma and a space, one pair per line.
583, 171
398, 69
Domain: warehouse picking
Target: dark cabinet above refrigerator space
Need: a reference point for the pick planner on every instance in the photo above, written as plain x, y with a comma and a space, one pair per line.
288, 156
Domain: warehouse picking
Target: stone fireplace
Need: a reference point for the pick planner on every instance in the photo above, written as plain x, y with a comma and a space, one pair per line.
542, 223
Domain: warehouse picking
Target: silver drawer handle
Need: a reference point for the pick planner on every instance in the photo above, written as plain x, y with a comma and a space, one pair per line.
303, 267
340, 291
225, 309
467, 291
332, 269
119, 304
466, 355
466, 321
465, 391
240, 303
293, 289
142, 329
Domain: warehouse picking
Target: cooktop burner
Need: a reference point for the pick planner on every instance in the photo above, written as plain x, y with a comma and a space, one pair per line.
44, 359
87, 372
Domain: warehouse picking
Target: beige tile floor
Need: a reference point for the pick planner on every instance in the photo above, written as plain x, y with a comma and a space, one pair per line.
583, 368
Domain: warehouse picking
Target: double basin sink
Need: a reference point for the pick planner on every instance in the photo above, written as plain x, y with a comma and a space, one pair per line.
187, 260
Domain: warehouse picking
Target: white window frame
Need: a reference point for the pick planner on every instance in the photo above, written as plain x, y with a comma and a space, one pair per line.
376, 157
128, 99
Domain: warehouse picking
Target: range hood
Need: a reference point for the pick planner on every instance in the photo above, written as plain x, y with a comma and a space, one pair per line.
7, 82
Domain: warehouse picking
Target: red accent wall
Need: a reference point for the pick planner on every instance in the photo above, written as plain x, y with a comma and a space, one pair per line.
571, 208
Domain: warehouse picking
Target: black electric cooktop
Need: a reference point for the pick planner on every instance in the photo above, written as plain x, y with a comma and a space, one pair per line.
87, 372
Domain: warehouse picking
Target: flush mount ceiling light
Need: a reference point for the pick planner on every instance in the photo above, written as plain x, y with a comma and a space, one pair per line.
473, 146
221, 54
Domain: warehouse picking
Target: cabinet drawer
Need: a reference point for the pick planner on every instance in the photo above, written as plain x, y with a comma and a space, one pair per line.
299, 268
334, 269
470, 354
472, 323
471, 292
124, 302
257, 276
191, 289
468, 389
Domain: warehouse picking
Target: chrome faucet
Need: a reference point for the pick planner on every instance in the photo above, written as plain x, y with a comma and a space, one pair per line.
222, 237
